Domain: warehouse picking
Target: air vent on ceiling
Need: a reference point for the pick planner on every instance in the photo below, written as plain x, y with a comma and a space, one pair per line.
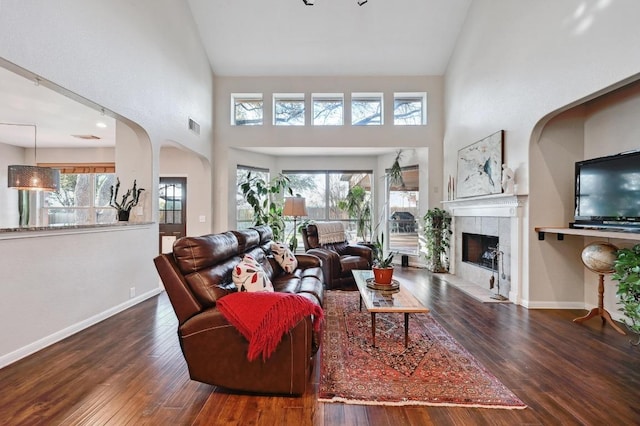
194, 126
87, 137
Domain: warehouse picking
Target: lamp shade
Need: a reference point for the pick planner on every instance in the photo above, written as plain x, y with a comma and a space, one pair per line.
33, 178
294, 206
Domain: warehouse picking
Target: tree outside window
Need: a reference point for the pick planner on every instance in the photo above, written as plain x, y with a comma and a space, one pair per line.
247, 109
409, 109
288, 109
324, 191
83, 198
328, 109
366, 109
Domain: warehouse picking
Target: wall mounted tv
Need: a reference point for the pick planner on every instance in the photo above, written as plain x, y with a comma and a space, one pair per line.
608, 192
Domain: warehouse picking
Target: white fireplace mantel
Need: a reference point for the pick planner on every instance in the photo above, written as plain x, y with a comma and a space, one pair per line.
509, 206
499, 205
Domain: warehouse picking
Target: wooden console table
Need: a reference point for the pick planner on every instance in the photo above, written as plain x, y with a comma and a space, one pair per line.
561, 232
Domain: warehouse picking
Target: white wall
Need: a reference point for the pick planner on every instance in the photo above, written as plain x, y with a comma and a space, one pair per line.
517, 62
9, 217
267, 135
143, 62
175, 162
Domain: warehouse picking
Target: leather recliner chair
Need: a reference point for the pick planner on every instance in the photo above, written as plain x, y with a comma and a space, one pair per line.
338, 259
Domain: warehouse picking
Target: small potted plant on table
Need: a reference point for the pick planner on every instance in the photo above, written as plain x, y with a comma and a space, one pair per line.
382, 265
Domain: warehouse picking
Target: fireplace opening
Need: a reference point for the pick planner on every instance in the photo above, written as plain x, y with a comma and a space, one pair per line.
479, 250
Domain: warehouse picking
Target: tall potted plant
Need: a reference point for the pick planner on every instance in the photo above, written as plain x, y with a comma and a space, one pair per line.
358, 206
436, 233
265, 198
627, 272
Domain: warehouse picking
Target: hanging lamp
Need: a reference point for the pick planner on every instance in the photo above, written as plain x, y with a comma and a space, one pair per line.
32, 178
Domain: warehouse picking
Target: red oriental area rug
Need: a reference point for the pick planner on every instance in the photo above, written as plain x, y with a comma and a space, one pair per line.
433, 370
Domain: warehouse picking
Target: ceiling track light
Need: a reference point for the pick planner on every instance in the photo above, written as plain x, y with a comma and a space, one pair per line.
311, 2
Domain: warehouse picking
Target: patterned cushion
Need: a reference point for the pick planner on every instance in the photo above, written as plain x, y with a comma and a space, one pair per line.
284, 257
248, 275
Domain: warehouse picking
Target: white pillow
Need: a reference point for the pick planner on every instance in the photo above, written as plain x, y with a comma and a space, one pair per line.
284, 257
248, 275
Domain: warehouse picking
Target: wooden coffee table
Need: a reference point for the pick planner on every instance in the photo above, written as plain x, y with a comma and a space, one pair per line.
394, 301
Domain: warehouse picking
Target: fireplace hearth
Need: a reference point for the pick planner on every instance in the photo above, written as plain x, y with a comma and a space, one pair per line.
480, 250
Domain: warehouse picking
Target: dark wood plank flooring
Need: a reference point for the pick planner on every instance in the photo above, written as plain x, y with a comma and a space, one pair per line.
129, 370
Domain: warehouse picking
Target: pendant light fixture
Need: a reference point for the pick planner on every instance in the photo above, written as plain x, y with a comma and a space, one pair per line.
32, 178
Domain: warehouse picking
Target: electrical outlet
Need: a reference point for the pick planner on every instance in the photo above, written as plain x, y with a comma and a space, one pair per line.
132, 292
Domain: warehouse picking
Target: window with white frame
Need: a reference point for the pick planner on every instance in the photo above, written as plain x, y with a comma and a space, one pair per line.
366, 109
328, 109
288, 109
83, 196
325, 194
403, 213
246, 109
409, 109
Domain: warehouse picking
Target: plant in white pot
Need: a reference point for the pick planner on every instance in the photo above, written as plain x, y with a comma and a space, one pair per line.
128, 201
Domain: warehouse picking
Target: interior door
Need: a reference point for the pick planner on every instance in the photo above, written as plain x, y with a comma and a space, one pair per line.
172, 215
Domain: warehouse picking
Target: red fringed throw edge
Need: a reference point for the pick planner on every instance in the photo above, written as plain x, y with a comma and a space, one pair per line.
263, 318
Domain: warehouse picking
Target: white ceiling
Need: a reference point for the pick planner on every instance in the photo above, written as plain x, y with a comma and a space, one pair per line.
332, 37
56, 116
265, 38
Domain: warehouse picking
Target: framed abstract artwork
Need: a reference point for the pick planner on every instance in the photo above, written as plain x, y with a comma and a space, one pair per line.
480, 167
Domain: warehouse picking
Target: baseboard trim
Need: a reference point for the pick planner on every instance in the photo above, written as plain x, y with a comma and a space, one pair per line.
49, 340
555, 305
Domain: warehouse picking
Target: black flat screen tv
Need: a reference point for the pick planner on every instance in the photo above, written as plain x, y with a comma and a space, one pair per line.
608, 192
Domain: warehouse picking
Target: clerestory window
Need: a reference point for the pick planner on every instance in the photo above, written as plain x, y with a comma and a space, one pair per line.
366, 109
409, 109
328, 109
288, 109
246, 109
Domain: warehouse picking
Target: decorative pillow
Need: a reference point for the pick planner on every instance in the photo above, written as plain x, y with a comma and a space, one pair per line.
248, 275
284, 257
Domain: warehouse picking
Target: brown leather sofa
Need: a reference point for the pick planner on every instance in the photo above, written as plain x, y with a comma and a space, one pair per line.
197, 273
338, 259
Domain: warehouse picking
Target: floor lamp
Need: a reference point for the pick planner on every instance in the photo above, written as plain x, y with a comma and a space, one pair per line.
294, 206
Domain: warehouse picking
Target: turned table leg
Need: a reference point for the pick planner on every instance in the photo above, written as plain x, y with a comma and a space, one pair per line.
600, 310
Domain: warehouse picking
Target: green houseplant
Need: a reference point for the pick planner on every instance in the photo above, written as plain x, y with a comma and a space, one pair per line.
128, 201
436, 234
627, 272
265, 198
395, 172
358, 206
382, 265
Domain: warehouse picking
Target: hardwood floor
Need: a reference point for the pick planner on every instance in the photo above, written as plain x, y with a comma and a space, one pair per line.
129, 370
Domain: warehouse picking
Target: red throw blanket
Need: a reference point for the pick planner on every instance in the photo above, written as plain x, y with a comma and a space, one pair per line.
263, 318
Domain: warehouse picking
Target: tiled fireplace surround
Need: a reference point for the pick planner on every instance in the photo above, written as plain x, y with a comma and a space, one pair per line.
496, 215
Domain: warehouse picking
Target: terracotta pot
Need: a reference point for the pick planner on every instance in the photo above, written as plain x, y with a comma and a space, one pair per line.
382, 275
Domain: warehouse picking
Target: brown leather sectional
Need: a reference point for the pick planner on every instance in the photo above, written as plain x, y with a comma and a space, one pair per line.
198, 272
